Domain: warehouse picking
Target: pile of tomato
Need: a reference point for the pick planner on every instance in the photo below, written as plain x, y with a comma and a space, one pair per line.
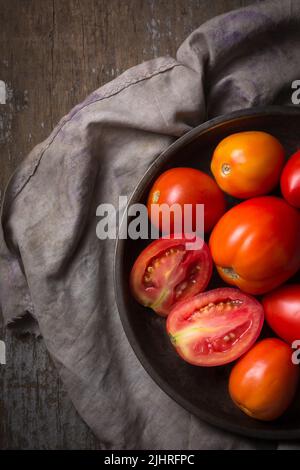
255, 249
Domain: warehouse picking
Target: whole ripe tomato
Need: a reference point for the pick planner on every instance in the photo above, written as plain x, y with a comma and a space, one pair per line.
264, 381
282, 309
166, 272
248, 164
255, 245
215, 327
290, 180
187, 186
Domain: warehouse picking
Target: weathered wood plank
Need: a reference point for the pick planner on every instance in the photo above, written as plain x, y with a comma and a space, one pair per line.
52, 54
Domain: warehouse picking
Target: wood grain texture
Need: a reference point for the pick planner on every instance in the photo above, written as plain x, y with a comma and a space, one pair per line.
52, 54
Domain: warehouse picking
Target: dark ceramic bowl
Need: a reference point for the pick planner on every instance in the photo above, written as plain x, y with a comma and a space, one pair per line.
202, 391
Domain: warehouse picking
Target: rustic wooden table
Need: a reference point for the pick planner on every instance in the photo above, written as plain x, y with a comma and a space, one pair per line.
52, 54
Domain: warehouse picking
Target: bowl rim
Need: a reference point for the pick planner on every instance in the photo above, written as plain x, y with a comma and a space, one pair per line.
271, 434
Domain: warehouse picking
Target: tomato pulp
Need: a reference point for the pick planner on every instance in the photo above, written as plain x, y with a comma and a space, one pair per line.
166, 272
215, 327
255, 245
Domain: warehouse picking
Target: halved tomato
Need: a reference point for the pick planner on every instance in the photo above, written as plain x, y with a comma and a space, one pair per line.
215, 327
166, 272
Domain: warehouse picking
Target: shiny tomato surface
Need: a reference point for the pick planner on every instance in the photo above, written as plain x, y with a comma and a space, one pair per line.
290, 180
256, 244
187, 186
264, 381
248, 164
166, 272
282, 310
215, 327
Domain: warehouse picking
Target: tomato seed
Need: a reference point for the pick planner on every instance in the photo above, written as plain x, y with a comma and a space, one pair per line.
220, 306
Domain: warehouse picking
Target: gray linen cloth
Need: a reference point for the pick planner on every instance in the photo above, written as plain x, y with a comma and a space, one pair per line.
54, 269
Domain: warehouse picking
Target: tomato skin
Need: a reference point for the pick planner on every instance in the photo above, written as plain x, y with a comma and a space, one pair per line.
255, 245
188, 186
248, 164
215, 327
290, 180
165, 272
264, 381
282, 310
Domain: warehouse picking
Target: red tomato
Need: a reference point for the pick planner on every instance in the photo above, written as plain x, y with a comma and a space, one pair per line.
166, 272
264, 381
255, 245
282, 309
187, 186
215, 327
248, 164
290, 180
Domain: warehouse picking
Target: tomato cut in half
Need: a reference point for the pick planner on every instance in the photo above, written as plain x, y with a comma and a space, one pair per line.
215, 327
168, 271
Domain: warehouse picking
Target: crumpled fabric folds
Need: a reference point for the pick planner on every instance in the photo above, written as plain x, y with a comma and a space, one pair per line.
56, 275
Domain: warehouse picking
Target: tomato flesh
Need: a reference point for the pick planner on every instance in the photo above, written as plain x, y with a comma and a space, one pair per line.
166, 272
215, 327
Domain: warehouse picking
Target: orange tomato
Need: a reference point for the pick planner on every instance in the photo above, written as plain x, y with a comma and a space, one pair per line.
255, 245
248, 164
264, 381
